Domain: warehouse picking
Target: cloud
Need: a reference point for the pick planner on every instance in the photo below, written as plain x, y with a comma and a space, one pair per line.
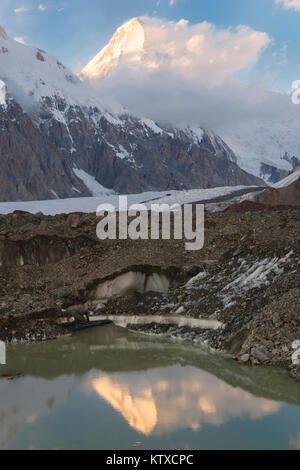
172, 2
199, 52
20, 39
77, 68
280, 56
184, 73
289, 4
21, 9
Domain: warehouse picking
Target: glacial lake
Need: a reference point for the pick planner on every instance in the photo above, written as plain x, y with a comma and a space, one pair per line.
109, 388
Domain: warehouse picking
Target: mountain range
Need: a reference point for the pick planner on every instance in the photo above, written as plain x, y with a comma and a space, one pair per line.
59, 138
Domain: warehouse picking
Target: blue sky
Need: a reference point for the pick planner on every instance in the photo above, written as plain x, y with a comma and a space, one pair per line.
75, 30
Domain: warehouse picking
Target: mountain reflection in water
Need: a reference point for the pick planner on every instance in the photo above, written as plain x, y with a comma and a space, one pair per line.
107, 378
167, 399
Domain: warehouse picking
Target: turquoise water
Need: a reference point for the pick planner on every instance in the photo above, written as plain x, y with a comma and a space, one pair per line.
108, 388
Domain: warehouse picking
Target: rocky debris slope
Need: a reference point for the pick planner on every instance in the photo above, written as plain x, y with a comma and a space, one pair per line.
249, 206
286, 195
52, 268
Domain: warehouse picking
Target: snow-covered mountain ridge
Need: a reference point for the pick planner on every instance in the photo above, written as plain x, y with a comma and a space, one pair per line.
32, 74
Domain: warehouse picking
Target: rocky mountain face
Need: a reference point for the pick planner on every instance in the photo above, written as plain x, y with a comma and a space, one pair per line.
31, 167
57, 140
132, 155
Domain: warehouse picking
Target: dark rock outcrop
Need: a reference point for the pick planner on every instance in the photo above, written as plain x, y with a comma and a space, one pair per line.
273, 173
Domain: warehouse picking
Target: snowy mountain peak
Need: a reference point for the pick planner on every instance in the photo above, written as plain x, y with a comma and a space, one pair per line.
145, 67
3, 34
128, 40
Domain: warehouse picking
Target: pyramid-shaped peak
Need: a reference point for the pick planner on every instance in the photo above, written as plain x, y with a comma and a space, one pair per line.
128, 39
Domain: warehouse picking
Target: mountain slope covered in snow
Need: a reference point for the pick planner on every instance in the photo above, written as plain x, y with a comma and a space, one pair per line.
291, 178
32, 74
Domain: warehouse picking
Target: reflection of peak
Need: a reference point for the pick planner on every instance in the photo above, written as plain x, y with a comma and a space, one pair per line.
139, 411
160, 402
3, 34
128, 39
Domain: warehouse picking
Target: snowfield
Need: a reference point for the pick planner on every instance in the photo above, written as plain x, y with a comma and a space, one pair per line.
32, 74
90, 182
265, 141
288, 180
90, 204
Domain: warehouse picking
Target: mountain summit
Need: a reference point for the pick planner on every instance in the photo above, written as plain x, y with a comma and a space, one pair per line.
140, 43
177, 72
129, 39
